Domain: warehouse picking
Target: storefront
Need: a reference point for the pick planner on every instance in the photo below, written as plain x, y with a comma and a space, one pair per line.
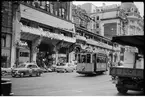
23, 51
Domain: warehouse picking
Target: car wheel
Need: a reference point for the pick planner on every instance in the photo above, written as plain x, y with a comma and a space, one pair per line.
13, 75
21, 74
4, 73
38, 74
64, 71
57, 71
30, 75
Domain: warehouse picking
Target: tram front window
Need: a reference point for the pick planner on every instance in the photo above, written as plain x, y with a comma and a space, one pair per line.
88, 58
83, 58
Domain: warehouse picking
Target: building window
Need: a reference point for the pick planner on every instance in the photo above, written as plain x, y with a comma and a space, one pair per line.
63, 12
97, 17
47, 6
43, 4
24, 54
128, 10
94, 26
3, 40
97, 25
56, 13
51, 8
60, 12
132, 9
36, 3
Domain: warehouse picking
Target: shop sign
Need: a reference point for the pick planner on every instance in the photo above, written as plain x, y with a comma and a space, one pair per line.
22, 43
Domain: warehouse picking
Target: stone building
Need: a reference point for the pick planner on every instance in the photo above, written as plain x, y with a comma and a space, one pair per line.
88, 39
42, 28
6, 33
115, 20
135, 21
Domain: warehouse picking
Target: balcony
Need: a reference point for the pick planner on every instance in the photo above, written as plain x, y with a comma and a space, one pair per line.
40, 32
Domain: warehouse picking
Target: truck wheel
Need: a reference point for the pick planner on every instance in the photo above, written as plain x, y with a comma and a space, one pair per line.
122, 90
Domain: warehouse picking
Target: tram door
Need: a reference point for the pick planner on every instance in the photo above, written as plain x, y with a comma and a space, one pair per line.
94, 62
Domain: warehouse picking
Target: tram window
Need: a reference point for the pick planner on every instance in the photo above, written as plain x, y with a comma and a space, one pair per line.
75, 56
99, 60
88, 58
83, 57
79, 59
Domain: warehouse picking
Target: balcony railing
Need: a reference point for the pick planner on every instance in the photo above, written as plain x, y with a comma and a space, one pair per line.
80, 37
116, 48
37, 31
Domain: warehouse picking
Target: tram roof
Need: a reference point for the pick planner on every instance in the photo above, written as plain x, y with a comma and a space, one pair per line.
99, 52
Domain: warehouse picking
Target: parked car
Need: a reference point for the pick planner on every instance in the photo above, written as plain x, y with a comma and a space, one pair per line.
53, 68
5, 71
6, 87
64, 67
45, 70
27, 69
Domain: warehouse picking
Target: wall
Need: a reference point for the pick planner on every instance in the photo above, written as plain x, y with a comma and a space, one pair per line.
6, 31
106, 26
46, 19
110, 14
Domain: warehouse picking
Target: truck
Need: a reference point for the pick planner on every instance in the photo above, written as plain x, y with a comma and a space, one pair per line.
127, 78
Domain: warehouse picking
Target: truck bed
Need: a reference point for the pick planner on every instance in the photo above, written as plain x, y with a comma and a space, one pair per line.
126, 72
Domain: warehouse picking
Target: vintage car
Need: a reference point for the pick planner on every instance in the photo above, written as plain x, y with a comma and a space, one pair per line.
65, 67
5, 71
6, 87
27, 69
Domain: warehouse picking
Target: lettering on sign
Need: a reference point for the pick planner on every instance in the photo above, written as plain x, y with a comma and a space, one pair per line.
22, 43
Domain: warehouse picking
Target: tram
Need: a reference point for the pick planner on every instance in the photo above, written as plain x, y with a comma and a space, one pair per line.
89, 63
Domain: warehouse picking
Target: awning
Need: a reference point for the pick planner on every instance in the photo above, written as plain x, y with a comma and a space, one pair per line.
134, 40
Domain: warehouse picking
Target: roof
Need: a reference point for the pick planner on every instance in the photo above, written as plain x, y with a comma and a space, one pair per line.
134, 40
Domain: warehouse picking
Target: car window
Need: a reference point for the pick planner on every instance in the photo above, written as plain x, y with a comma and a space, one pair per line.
34, 66
29, 66
21, 65
62, 64
69, 64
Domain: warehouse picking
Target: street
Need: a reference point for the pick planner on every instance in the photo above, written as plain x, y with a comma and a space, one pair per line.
66, 84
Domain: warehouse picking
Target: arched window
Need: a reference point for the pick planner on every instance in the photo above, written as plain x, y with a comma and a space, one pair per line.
132, 9
51, 8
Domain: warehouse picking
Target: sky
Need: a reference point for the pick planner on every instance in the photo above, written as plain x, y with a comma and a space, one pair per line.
139, 5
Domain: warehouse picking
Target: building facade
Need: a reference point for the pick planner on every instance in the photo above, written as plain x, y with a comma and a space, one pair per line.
87, 39
115, 20
6, 33
135, 21
43, 32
